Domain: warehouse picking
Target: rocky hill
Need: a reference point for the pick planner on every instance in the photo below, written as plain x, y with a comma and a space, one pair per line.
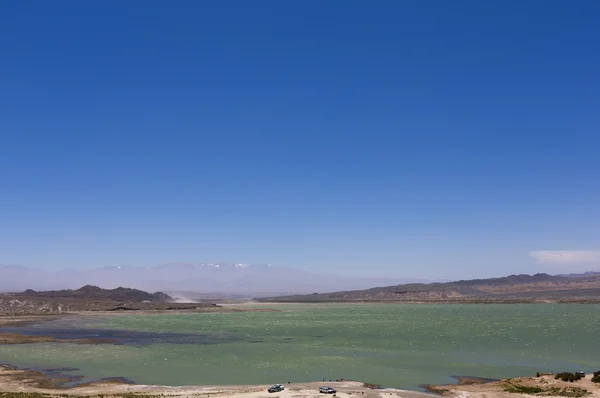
89, 298
513, 288
89, 292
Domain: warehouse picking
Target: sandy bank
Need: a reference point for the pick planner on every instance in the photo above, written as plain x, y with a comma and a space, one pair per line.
15, 338
24, 320
14, 380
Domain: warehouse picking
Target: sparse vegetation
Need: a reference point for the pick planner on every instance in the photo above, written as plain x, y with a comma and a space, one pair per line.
576, 392
520, 389
573, 392
568, 376
371, 386
596, 377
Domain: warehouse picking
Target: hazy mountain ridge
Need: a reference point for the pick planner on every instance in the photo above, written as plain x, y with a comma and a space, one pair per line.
234, 279
583, 274
522, 286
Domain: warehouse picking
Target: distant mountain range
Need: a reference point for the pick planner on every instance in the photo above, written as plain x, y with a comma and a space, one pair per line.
581, 275
572, 287
214, 279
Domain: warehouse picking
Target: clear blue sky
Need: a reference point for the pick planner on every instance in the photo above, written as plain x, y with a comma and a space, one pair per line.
400, 138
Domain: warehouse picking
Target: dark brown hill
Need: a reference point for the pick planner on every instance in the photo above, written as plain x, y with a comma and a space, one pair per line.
92, 298
513, 288
89, 292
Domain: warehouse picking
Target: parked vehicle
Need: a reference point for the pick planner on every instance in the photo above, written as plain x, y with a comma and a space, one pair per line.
327, 390
276, 388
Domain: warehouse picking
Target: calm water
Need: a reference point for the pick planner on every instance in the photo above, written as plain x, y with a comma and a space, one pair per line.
393, 345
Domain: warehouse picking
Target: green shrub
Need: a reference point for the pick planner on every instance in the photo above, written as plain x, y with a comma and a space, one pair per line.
568, 376
596, 377
571, 392
517, 388
575, 392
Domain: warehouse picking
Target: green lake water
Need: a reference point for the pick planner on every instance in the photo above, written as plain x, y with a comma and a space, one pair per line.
400, 346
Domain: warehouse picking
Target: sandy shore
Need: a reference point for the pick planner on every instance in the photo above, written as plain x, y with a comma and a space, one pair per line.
10, 320
14, 380
28, 382
16, 338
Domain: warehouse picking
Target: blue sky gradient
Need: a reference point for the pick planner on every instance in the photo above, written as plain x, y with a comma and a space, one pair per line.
390, 138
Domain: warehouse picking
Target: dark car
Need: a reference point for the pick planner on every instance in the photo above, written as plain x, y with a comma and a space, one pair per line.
327, 390
276, 388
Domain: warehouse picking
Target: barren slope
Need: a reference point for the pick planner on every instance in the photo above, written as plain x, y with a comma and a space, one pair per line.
510, 288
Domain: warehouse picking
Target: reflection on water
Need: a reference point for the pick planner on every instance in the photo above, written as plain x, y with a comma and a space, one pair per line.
128, 337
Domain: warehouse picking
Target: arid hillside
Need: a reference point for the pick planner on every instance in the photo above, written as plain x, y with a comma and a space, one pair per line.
89, 298
513, 288
89, 292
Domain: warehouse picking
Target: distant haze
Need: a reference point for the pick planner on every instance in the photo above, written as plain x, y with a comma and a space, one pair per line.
213, 279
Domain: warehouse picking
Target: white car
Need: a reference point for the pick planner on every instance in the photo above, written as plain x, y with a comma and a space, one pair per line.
327, 390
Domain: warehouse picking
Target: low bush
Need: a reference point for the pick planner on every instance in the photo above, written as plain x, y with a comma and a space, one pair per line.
571, 392
517, 388
568, 376
575, 392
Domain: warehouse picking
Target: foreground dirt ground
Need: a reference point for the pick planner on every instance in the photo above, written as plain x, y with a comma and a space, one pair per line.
501, 389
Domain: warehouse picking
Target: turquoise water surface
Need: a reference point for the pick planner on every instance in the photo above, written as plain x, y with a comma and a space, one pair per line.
394, 345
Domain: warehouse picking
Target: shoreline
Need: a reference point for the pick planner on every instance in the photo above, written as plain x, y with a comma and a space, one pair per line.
34, 383
17, 381
34, 316
17, 338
